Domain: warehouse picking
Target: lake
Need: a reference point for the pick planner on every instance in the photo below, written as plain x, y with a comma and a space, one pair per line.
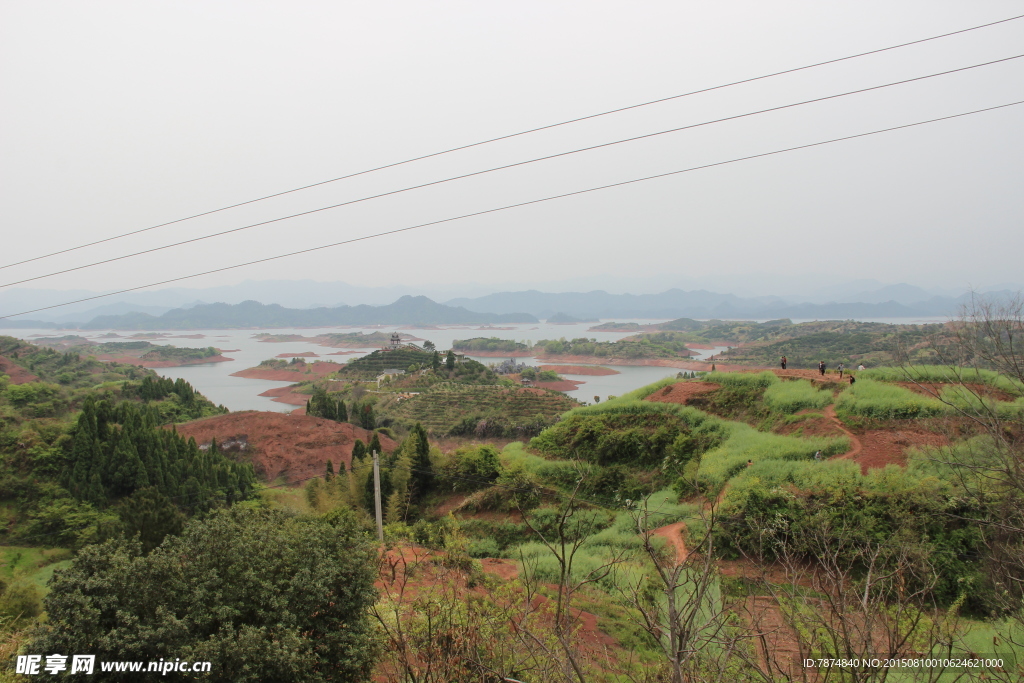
214, 380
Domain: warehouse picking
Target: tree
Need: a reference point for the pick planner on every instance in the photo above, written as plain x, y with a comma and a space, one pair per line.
375, 446
428, 345
329, 473
150, 516
263, 595
422, 470
435, 361
988, 336
449, 360
358, 452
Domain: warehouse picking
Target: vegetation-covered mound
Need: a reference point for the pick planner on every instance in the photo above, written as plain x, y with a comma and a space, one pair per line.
479, 410
144, 351
645, 346
489, 344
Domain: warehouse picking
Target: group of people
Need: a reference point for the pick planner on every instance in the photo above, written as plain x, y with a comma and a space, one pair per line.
841, 369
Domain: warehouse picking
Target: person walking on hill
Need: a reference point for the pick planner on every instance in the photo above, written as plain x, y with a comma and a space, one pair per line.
840, 369
852, 380
821, 367
783, 362
817, 456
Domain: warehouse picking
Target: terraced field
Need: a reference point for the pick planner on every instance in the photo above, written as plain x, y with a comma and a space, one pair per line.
455, 408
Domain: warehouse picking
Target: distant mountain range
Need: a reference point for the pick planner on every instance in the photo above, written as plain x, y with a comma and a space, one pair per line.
407, 310
893, 301
676, 303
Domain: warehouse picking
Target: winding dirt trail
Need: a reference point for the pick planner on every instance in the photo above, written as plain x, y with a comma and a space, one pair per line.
673, 533
857, 447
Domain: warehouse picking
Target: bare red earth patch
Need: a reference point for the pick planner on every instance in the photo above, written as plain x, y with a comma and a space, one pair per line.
290, 446
18, 374
681, 392
302, 372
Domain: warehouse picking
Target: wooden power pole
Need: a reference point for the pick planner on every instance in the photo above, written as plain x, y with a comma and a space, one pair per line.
376, 497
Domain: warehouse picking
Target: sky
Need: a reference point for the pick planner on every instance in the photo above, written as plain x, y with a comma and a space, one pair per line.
118, 116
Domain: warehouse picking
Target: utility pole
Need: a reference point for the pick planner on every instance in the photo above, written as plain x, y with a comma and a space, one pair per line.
376, 497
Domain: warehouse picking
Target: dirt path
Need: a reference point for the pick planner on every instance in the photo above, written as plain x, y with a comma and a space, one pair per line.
857, 447
673, 533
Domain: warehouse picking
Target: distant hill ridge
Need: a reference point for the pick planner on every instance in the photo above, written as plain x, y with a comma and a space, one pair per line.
407, 310
702, 304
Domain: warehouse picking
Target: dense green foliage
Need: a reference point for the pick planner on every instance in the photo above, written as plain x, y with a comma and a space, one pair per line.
776, 507
264, 596
869, 398
666, 345
119, 449
450, 408
792, 396
322, 405
488, 344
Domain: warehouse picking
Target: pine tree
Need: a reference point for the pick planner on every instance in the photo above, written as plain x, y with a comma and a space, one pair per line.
422, 474
375, 445
358, 452
435, 362
329, 474
449, 360
342, 412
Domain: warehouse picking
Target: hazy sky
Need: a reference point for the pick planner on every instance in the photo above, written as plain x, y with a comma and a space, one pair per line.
121, 115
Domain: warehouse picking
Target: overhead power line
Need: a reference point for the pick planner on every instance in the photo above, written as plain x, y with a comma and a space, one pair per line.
501, 168
520, 204
518, 134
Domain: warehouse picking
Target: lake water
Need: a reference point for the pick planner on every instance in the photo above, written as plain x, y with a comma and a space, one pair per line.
214, 380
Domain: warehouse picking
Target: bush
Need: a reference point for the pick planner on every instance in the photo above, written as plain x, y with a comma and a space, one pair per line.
483, 547
792, 396
263, 595
746, 443
761, 380
945, 374
870, 398
20, 602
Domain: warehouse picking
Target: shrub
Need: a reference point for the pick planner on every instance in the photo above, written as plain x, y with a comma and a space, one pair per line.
746, 443
761, 380
871, 398
791, 396
264, 595
945, 374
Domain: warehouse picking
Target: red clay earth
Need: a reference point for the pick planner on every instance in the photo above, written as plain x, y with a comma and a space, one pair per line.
18, 374
290, 446
304, 354
342, 353
287, 396
305, 371
130, 360
673, 533
580, 370
682, 392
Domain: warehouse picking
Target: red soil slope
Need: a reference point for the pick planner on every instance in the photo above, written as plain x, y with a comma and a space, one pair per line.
290, 446
681, 392
18, 374
307, 371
